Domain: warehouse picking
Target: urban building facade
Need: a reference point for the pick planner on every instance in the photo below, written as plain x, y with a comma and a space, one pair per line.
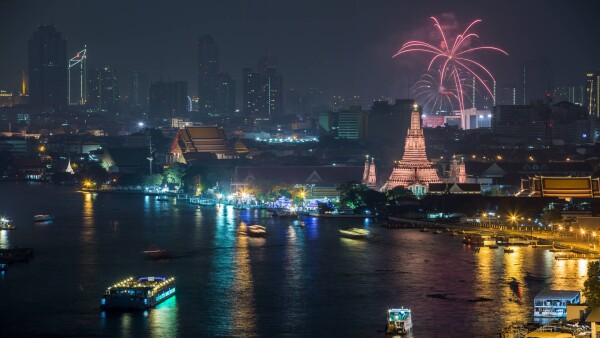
48, 67
168, 99
103, 89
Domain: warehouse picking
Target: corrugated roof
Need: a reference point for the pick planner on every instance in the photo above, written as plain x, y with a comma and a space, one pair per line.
557, 294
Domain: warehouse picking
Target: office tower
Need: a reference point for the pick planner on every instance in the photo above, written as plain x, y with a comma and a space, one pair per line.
225, 103
48, 67
208, 73
252, 91
139, 90
272, 86
592, 93
168, 99
103, 89
507, 95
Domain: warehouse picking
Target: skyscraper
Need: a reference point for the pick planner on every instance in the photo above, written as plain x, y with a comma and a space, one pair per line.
225, 103
139, 90
252, 91
263, 89
272, 86
208, 73
168, 99
592, 93
103, 89
48, 67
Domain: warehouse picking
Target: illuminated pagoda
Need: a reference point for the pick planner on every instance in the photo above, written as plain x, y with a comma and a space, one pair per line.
414, 171
370, 174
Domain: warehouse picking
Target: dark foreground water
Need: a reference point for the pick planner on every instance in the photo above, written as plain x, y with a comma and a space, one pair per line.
296, 282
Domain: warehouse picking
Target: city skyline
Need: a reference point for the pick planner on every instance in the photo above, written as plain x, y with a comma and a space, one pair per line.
316, 48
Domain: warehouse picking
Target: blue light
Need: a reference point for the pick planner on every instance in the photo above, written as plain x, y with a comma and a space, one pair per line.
103, 302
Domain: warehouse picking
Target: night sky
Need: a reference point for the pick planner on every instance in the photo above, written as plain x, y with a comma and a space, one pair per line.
343, 47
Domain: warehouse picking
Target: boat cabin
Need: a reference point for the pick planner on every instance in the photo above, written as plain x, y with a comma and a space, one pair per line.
553, 303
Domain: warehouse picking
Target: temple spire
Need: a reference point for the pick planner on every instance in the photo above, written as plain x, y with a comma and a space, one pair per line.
414, 169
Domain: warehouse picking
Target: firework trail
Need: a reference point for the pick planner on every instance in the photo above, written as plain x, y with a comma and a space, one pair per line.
453, 58
439, 94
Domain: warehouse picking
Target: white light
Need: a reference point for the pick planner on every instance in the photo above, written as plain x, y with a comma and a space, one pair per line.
141, 124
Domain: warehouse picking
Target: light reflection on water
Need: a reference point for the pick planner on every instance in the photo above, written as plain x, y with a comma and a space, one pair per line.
4, 242
294, 282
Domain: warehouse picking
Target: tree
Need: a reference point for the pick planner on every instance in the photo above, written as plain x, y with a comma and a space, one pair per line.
175, 173
153, 180
398, 193
591, 286
552, 216
351, 194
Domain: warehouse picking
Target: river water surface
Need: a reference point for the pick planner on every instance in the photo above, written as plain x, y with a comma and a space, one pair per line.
296, 282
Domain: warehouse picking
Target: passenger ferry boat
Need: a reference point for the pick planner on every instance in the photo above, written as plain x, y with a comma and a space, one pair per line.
138, 294
399, 321
256, 230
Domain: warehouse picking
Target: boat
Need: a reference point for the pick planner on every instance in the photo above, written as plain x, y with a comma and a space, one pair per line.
509, 250
43, 218
535, 278
437, 232
424, 230
283, 213
158, 254
399, 321
5, 224
256, 230
138, 294
354, 233
453, 234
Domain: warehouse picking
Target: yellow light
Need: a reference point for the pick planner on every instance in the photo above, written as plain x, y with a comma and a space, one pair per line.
42, 149
499, 157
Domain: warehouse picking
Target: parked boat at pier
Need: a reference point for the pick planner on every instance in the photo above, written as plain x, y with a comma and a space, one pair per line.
138, 294
399, 321
355, 233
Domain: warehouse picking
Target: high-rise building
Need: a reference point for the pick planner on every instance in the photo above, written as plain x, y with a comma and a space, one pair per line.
573, 94
103, 89
139, 90
208, 74
352, 124
507, 95
536, 80
252, 91
168, 99
592, 93
263, 89
272, 86
48, 67
225, 103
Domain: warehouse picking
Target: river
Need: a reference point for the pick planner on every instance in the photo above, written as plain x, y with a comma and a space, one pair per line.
295, 282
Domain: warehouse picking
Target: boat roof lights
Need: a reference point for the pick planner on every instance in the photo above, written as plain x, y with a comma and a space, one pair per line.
143, 282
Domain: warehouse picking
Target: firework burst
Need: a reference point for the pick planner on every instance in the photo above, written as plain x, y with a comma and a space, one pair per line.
454, 59
438, 94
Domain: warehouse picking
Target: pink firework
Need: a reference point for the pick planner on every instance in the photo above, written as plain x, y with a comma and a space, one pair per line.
439, 94
454, 58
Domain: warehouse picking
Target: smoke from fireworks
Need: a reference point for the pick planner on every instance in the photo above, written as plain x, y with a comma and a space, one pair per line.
453, 59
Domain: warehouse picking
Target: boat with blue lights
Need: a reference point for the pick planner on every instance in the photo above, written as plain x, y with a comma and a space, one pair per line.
399, 321
138, 294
